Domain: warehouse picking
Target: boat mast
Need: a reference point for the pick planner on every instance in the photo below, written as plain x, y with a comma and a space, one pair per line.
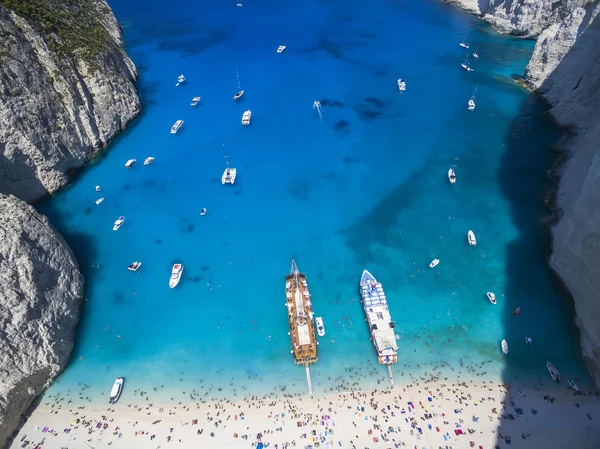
226, 156
237, 73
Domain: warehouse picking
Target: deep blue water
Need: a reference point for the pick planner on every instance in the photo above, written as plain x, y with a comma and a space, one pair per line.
365, 187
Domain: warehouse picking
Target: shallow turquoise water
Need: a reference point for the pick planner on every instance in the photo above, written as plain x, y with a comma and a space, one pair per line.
365, 187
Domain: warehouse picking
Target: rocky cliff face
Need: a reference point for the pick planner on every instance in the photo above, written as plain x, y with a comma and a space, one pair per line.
67, 89
40, 292
565, 70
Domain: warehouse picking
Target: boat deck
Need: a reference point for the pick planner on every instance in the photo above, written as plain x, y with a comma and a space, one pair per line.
300, 318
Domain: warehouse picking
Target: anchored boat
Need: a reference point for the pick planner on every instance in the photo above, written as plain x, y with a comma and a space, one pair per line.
320, 327
554, 374
401, 84
246, 117
300, 317
434, 263
229, 173
492, 297
451, 176
239, 85
176, 126
117, 388
504, 347
118, 223
176, 273
130, 163
379, 319
471, 238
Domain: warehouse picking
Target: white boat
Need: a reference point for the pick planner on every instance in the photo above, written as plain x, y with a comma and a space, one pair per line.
434, 263
504, 345
130, 163
195, 101
148, 160
317, 107
528, 341
554, 374
464, 44
203, 211
246, 116
99, 200
521, 392
475, 54
471, 238
492, 297
176, 126
467, 67
471, 104
240, 90
176, 273
229, 173
97, 188
239, 5
281, 49
117, 388
451, 176
573, 385
381, 326
401, 84
134, 266
320, 327
119, 222
180, 79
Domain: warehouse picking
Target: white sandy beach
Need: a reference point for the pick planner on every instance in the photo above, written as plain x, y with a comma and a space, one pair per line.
427, 414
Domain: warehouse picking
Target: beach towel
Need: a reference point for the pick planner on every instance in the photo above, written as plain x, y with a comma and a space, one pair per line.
429, 399
445, 437
429, 426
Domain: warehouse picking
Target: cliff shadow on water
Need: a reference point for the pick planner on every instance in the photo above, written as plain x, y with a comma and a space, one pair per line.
535, 302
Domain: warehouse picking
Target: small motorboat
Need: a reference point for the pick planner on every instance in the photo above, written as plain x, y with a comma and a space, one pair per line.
471, 105
504, 345
464, 45
195, 101
401, 84
573, 385
148, 160
434, 263
451, 176
176, 273
246, 116
203, 211
521, 393
492, 297
134, 266
99, 200
466, 66
97, 188
281, 49
476, 55
176, 126
180, 79
239, 5
528, 341
554, 374
117, 388
238, 95
119, 222
320, 327
471, 238
130, 163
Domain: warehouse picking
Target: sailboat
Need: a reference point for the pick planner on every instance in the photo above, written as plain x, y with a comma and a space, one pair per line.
229, 173
472, 100
240, 90
475, 54
465, 65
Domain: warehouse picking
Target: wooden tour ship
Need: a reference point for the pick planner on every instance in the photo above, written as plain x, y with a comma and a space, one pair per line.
300, 318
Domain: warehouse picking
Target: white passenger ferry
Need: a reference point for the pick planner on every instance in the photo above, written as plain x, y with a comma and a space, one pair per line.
378, 317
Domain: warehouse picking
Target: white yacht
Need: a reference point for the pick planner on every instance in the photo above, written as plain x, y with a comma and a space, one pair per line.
117, 388
504, 345
401, 84
195, 101
320, 327
246, 116
99, 200
471, 104
434, 263
130, 163
176, 126
203, 211
464, 44
148, 160
134, 266
471, 238
492, 297
554, 374
180, 79
451, 176
229, 173
281, 49
176, 273
119, 222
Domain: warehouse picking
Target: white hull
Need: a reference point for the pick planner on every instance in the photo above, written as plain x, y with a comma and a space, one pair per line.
176, 273
491, 297
118, 223
471, 238
573, 385
463, 45
471, 105
246, 117
434, 263
130, 163
176, 126
466, 67
451, 176
504, 345
116, 391
554, 374
195, 101
134, 266
320, 327
229, 176
99, 200
238, 95
281, 49
148, 160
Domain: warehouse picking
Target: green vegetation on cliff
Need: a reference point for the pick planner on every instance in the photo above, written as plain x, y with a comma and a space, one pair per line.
71, 27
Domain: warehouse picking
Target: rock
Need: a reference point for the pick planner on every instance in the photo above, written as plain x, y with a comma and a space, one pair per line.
40, 293
63, 100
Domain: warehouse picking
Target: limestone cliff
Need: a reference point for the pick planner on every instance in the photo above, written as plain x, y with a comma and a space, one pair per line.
565, 70
67, 89
40, 292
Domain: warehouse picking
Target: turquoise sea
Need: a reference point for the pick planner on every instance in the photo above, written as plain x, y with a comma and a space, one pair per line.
364, 187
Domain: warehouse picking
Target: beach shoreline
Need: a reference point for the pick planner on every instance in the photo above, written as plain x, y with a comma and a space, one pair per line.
424, 413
